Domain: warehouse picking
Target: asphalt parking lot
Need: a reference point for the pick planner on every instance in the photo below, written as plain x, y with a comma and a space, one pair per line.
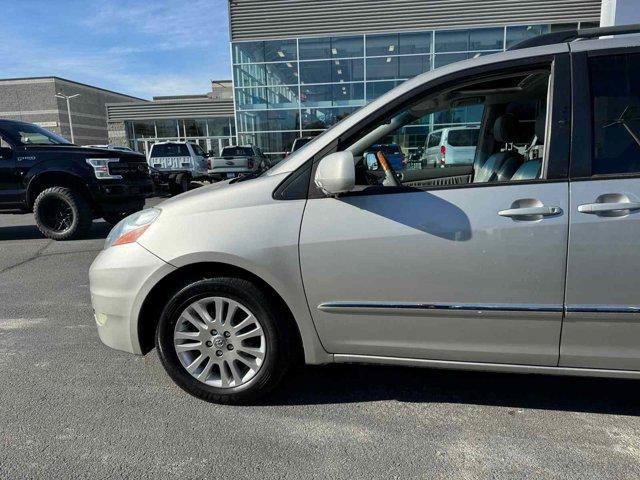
72, 408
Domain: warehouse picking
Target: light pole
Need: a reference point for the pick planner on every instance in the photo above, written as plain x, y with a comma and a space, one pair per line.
67, 98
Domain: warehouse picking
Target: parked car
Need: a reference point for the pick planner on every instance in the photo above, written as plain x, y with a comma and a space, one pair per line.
491, 266
110, 147
175, 164
393, 153
238, 160
297, 144
451, 146
66, 186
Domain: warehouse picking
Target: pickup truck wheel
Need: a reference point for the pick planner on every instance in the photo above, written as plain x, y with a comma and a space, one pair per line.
220, 340
62, 214
183, 180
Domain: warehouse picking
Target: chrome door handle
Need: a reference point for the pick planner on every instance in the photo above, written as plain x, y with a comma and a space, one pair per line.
595, 208
531, 212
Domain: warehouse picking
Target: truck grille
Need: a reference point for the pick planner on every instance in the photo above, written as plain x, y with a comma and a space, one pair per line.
129, 170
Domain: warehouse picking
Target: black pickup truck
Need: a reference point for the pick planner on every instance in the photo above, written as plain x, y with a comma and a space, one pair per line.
64, 185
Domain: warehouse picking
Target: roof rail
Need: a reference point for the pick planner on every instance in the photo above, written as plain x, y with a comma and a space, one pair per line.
570, 35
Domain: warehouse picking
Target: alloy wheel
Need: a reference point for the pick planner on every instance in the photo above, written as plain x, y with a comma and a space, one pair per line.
219, 342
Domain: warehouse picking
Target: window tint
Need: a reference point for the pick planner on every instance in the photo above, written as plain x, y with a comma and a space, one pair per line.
463, 138
237, 152
170, 150
615, 91
434, 139
197, 150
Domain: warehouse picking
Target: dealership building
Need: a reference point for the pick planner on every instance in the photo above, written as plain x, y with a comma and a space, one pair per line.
301, 66
41, 100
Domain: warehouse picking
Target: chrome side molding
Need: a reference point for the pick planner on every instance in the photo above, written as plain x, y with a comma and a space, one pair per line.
363, 307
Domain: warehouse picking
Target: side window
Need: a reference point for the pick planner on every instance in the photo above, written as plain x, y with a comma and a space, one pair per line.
434, 139
495, 131
615, 91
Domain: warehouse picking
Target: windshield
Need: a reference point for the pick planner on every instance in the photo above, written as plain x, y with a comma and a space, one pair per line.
169, 150
237, 152
30, 134
463, 138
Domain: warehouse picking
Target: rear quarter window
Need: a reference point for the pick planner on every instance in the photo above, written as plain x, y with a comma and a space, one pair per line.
463, 138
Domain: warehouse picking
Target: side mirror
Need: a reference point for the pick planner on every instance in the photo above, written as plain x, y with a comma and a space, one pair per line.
336, 173
6, 153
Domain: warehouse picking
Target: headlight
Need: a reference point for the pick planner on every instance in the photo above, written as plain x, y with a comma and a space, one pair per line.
129, 229
101, 168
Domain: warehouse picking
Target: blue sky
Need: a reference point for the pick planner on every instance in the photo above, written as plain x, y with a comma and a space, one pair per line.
139, 47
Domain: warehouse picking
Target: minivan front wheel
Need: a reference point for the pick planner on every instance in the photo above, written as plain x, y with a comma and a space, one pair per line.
219, 340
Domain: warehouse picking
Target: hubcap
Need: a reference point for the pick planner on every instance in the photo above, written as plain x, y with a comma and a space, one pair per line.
219, 342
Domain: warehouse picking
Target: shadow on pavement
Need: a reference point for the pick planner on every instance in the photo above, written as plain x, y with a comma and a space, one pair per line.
354, 383
99, 229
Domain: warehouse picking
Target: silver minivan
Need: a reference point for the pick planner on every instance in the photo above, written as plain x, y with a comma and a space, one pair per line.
524, 261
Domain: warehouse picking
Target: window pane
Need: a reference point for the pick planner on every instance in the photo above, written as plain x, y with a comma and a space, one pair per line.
523, 32
220, 127
269, 142
615, 87
382, 44
321, 118
194, 128
281, 73
331, 71
245, 52
342, 94
413, 65
249, 75
316, 95
382, 68
278, 50
144, 129
347, 46
452, 41
312, 48
563, 27
486, 39
348, 94
415, 42
376, 89
167, 128
446, 59
263, 97
269, 120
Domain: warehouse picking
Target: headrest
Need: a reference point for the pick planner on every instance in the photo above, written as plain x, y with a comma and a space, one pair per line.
541, 121
505, 129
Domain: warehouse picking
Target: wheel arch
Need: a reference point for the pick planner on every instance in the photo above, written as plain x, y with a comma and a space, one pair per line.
48, 179
152, 305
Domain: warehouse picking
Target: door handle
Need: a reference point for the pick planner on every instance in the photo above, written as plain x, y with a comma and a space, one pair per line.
531, 212
596, 208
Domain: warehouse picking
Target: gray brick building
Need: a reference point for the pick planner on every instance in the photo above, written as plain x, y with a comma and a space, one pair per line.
33, 100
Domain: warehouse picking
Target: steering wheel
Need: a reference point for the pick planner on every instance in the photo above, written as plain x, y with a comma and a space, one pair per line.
390, 175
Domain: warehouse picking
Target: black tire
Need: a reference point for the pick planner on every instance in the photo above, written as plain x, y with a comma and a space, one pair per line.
62, 213
183, 181
279, 351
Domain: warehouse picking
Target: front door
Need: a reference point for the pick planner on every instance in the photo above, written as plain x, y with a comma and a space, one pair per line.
602, 326
8, 179
469, 272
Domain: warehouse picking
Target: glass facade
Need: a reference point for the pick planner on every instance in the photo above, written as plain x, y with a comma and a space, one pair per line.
290, 88
212, 134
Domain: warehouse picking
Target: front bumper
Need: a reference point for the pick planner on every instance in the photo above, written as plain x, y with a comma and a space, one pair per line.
122, 196
120, 279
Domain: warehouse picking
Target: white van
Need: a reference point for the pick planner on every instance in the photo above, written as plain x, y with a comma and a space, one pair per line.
451, 146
